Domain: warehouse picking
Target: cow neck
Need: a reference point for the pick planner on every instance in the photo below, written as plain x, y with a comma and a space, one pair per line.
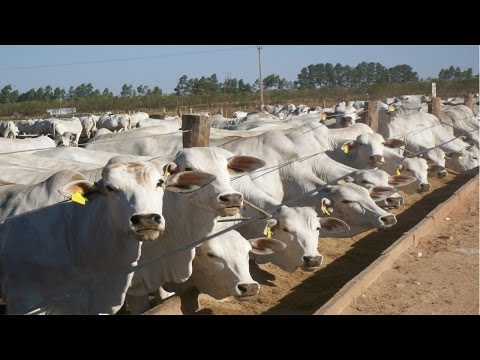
330, 170
100, 241
254, 194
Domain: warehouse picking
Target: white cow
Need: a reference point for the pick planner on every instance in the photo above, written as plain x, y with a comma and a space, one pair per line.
424, 130
296, 227
460, 121
366, 151
89, 124
221, 268
8, 129
345, 116
416, 167
299, 229
18, 199
54, 250
289, 174
135, 118
10, 145
114, 123
189, 217
67, 132
140, 141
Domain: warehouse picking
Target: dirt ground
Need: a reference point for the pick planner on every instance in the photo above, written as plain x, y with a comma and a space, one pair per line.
442, 272
439, 276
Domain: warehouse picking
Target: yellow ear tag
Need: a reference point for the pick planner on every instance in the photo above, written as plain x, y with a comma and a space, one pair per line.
324, 210
398, 171
341, 182
460, 157
391, 108
167, 173
324, 116
269, 232
78, 197
345, 148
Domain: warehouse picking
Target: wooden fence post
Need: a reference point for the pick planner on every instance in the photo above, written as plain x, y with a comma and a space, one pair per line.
434, 107
364, 115
469, 100
199, 134
373, 115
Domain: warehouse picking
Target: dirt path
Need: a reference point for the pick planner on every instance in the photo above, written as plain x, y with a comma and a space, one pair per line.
304, 293
440, 276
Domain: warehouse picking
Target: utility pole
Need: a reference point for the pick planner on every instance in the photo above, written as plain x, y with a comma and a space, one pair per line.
259, 48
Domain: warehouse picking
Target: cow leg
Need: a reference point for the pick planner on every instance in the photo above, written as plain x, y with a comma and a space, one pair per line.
138, 304
189, 301
162, 294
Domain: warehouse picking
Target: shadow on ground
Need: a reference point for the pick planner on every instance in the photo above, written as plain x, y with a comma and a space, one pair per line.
316, 290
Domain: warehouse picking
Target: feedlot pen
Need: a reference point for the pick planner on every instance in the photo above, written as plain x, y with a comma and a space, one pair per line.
344, 258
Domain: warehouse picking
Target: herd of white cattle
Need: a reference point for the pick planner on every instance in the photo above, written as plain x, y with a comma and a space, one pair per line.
149, 203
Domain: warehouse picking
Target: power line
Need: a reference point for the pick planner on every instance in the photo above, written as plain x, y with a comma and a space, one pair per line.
126, 59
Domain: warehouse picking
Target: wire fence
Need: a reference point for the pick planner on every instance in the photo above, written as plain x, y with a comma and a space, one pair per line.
242, 222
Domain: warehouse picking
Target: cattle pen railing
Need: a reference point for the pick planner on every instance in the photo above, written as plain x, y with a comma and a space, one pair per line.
360, 283
193, 133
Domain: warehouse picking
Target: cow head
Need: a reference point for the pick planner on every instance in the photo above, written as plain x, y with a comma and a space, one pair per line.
221, 265
219, 196
132, 194
356, 205
298, 228
376, 177
464, 160
66, 139
348, 118
367, 149
418, 168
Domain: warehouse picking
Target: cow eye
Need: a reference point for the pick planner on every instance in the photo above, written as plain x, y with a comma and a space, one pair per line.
286, 229
318, 228
109, 188
347, 201
188, 169
365, 182
408, 169
211, 255
161, 183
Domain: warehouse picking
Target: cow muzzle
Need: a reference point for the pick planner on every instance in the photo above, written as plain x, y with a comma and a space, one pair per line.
424, 188
147, 227
245, 290
377, 159
442, 174
394, 202
312, 263
230, 204
388, 220
346, 121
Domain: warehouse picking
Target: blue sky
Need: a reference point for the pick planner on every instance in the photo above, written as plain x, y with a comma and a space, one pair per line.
34, 66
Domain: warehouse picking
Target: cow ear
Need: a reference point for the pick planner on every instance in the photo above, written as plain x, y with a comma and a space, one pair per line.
349, 145
84, 187
393, 143
400, 180
244, 164
346, 179
326, 206
188, 181
170, 168
379, 193
435, 168
453, 154
333, 225
266, 246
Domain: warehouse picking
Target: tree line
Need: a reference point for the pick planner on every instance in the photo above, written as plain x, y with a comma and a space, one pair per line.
314, 76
